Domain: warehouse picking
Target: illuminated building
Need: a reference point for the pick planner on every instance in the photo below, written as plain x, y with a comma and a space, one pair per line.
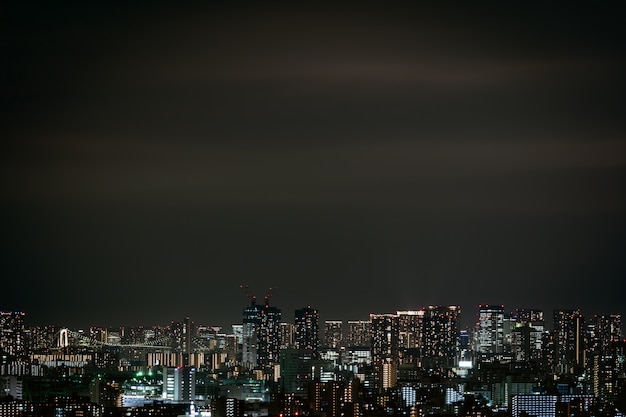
440, 332
261, 334
181, 335
107, 393
268, 335
287, 331
333, 334
179, 384
550, 405
326, 398
607, 370
533, 405
410, 326
359, 333
524, 342
249, 334
603, 329
489, 333
12, 334
569, 341
384, 349
307, 328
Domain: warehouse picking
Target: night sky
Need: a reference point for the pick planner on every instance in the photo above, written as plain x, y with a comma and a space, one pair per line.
358, 158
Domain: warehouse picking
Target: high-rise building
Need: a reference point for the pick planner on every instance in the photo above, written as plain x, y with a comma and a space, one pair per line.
569, 341
249, 333
384, 350
287, 332
326, 398
440, 333
489, 332
603, 329
12, 334
527, 335
181, 336
306, 322
359, 333
524, 342
107, 393
268, 335
333, 334
533, 317
295, 371
260, 334
179, 384
608, 366
410, 327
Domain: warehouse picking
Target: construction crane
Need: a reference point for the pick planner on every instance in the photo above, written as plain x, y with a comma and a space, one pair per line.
249, 295
269, 295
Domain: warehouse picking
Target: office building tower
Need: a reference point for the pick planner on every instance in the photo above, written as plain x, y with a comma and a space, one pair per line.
268, 335
384, 350
533, 317
410, 326
326, 398
569, 341
287, 335
107, 393
359, 333
489, 333
43, 338
306, 324
550, 405
295, 371
603, 329
607, 370
526, 343
249, 334
11, 386
181, 336
333, 334
12, 334
179, 384
440, 333
260, 334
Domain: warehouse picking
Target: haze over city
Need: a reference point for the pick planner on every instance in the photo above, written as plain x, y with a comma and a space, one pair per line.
359, 159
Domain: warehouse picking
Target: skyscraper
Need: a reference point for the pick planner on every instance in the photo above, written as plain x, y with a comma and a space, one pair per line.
179, 384
268, 335
410, 327
384, 349
287, 331
249, 334
306, 322
440, 335
181, 335
527, 335
333, 334
260, 333
12, 333
489, 332
359, 333
569, 343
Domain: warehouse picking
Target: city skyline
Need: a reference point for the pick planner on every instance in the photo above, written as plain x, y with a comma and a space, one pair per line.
465, 323
356, 158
